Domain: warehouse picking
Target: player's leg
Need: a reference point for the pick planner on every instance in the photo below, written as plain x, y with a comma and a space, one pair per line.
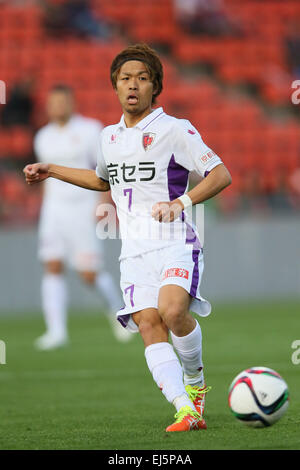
140, 284
166, 369
173, 304
151, 326
160, 356
51, 252
54, 305
186, 335
179, 293
104, 282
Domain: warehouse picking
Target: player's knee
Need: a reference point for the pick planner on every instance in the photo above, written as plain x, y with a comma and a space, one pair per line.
147, 326
54, 267
88, 277
152, 329
172, 312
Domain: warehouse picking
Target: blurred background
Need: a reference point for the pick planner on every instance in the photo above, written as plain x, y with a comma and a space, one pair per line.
229, 68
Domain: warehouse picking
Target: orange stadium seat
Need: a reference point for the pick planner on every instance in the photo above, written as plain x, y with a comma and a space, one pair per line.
4, 144
257, 149
21, 141
246, 58
12, 188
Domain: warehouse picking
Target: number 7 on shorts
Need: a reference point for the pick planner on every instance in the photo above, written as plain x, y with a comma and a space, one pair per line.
130, 289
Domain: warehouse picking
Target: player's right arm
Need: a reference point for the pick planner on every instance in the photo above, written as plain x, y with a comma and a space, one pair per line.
37, 172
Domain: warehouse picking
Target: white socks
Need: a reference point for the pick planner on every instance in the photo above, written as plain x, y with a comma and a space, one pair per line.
167, 370
106, 285
189, 349
167, 373
54, 300
54, 304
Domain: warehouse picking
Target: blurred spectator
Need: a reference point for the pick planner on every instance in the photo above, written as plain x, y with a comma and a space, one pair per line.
20, 104
81, 19
55, 20
74, 16
204, 17
292, 43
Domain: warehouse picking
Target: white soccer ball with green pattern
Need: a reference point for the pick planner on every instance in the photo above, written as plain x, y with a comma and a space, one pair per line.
258, 397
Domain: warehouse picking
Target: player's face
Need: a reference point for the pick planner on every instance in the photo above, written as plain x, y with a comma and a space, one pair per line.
59, 106
134, 88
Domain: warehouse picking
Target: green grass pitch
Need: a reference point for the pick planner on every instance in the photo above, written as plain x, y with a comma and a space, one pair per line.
98, 393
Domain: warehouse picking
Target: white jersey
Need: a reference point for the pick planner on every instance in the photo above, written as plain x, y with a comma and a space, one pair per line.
150, 163
73, 145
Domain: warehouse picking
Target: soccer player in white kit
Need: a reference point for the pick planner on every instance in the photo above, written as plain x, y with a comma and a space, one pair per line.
67, 227
146, 159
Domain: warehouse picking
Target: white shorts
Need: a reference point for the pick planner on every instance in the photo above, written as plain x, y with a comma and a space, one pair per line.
142, 277
68, 233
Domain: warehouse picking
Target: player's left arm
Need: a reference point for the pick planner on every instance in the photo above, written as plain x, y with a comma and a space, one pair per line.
217, 180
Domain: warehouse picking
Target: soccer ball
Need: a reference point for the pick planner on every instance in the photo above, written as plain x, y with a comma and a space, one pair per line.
258, 397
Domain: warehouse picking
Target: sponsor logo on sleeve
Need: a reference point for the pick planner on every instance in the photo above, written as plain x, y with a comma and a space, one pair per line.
207, 157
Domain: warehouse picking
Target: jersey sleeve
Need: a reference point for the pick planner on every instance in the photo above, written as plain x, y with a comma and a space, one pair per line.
101, 169
191, 152
94, 144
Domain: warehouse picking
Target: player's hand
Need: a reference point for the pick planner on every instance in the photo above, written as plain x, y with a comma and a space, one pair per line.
36, 172
167, 211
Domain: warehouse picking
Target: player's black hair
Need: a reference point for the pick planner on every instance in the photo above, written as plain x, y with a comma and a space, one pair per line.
149, 57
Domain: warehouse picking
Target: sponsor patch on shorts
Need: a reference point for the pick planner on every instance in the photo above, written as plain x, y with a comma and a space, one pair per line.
176, 272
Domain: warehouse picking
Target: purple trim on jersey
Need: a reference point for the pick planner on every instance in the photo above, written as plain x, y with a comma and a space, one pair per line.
206, 173
177, 179
143, 128
191, 238
177, 183
195, 278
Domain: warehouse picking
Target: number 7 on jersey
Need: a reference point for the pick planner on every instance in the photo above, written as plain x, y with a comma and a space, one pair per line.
129, 192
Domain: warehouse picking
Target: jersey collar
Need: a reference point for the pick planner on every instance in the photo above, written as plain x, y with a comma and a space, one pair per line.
144, 122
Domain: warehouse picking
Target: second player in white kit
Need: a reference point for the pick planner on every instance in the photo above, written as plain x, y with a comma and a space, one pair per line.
67, 227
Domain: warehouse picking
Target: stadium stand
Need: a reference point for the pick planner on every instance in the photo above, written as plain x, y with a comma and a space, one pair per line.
235, 89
